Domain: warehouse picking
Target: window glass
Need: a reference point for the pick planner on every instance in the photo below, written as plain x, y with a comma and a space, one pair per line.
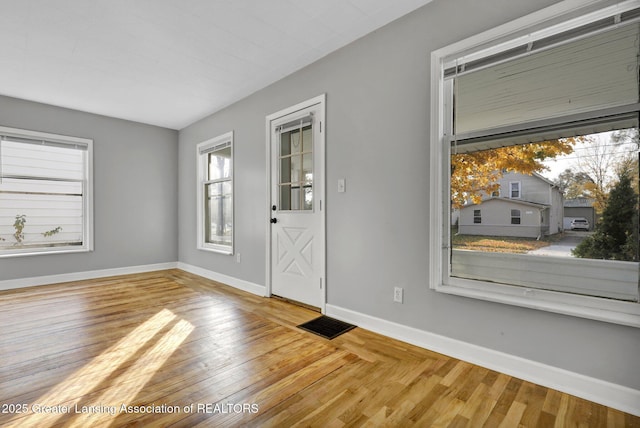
220, 164
215, 194
515, 216
555, 127
477, 216
219, 213
593, 177
548, 111
581, 75
296, 169
515, 190
44, 194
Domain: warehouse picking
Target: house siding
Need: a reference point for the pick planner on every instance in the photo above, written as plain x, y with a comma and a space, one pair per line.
496, 219
556, 212
533, 189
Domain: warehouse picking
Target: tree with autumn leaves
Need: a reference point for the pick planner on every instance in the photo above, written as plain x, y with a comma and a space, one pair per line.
474, 175
592, 175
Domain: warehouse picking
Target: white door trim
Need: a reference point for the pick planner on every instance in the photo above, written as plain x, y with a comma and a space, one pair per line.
321, 100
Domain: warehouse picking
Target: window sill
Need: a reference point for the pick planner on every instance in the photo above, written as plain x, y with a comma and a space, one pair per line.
227, 251
599, 309
45, 251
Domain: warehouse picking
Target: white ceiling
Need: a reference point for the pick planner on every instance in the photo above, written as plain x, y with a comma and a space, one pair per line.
170, 62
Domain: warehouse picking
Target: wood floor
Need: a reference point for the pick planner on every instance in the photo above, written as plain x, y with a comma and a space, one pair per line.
172, 349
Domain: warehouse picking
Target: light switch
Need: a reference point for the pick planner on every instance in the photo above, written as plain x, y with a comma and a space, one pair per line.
341, 185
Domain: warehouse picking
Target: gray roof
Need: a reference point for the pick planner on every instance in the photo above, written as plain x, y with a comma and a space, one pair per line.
578, 202
513, 201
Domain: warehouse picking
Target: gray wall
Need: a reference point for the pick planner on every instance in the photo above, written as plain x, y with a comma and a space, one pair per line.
135, 190
377, 236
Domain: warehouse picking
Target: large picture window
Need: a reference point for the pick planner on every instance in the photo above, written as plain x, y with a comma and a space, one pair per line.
547, 107
215, 194
45, 193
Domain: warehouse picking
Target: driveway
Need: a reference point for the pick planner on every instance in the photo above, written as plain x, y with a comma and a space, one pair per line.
563, 247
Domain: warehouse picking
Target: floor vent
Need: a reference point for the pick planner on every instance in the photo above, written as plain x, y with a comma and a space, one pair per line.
327, 327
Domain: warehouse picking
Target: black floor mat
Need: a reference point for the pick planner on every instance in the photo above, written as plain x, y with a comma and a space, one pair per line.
326, 327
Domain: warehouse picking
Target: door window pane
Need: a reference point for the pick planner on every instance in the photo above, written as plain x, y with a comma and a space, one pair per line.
306, 140
296, 169
285, 197
285, 170
307, 169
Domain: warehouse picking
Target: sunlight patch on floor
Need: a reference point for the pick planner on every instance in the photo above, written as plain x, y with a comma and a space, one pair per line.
129, 383
47, 409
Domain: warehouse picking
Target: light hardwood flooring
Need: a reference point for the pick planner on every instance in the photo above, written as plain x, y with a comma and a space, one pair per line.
73, 354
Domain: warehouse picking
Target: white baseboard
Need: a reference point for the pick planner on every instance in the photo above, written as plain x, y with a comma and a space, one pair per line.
11, 284
247, 286
240, 284
592, 389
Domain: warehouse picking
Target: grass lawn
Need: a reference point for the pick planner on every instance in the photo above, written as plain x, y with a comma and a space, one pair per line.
499, 244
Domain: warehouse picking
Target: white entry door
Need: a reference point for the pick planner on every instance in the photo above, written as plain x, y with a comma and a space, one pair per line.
297, 238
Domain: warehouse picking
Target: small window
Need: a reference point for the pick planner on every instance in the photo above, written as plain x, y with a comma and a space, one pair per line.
515, 216
477, 216
45, 193
514, 189
215, 194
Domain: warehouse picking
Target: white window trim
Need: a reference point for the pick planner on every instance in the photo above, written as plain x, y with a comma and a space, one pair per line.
555, 19
511, 183
201, 176
477, 216
519, 217
87, 197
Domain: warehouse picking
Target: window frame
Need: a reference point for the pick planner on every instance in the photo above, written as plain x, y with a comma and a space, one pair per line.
558, 18
203, 149
477, 215
518, 189
87, 192
516, 214
299, 125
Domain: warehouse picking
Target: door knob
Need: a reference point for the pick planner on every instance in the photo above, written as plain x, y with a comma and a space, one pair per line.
274, 220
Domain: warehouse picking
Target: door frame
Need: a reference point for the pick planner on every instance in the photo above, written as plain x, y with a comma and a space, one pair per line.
319, 150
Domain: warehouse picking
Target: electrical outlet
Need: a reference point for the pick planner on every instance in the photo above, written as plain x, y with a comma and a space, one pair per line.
237, 257
397, 294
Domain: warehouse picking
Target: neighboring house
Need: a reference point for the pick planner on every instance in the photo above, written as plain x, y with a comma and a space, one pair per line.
524, 206
579, 208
